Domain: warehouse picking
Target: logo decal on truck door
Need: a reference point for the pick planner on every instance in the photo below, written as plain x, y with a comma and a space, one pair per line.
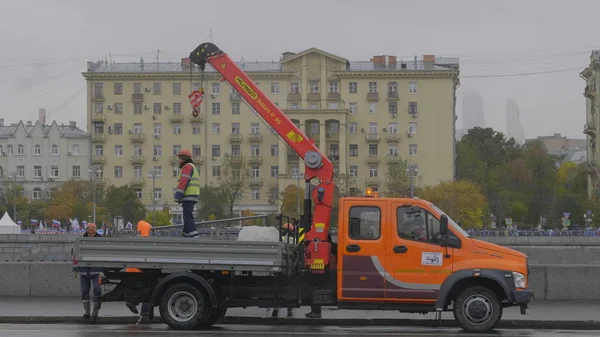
431, 259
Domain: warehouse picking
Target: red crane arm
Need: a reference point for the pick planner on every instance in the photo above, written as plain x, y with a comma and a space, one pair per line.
317, 165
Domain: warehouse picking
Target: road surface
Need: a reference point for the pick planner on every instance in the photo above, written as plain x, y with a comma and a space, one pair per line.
59, 330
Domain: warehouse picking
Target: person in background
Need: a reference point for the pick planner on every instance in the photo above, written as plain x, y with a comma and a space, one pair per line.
89, 278
188, 191
145, 229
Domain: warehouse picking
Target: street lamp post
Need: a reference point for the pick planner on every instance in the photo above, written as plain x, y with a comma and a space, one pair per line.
93, 172
412, 171
297, 176
15, 195
153, 173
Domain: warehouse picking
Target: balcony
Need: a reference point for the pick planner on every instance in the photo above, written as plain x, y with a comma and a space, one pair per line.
590, 91
393, 158
392, 96
100, 160
372, 181
198, 160
372, 96
235, 159
234, 97
255, 160
98, 137
98, 118
98, 180
136, 137
137, 98
334, 157
98, 97
137, 181
372, 137
294, 97
137, 160
392, 137
332, 137
590, 129
333, 96
255, 181
255, 137
373, 159
198, 119
176, 117
315, 96
174, 160
235, 138
292, 156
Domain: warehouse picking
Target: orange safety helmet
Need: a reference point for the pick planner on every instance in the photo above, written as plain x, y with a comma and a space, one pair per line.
185, 152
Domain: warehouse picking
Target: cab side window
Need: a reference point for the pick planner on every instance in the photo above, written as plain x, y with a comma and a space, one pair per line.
417, 224
365, 223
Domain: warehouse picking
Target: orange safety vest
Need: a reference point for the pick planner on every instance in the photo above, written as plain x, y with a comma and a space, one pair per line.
144, 228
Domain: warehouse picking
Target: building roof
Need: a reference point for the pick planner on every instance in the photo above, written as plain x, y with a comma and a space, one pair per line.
68, 131
440, 64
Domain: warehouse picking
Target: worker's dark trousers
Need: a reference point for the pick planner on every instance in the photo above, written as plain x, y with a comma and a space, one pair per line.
189, 226
90, 280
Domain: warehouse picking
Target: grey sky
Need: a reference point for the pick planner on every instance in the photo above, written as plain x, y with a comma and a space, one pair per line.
45, 44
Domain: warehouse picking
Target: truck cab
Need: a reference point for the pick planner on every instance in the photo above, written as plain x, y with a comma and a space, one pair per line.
407, 254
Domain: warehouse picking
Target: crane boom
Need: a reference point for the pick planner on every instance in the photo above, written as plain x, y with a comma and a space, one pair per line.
314, 228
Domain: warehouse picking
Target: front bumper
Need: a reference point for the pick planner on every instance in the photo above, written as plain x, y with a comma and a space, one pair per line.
523, 298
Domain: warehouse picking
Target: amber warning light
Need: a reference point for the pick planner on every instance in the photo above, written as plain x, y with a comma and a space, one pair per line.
370, 193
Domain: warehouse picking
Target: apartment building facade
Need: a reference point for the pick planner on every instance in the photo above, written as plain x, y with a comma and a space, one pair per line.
39, 156
362, 115
591, 75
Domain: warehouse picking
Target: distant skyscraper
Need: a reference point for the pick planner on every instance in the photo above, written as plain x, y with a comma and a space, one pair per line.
473, 114
513, 122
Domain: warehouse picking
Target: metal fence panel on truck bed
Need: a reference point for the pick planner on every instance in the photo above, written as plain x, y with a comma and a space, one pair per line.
181, 253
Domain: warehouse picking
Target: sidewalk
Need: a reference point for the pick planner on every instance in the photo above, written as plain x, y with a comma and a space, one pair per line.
544, 315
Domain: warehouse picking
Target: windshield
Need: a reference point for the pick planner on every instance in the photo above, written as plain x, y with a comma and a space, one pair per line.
450, 221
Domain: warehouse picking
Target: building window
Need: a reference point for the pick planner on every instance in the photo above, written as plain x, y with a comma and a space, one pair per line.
137, 128
118, 127
157, 108
98, 108
353, 171
177, 108
138, 193
138, 150
274, 171
235, 108
76, 149
21, 171
216, 171
254, 150
9, 149
118, 88
137, 88
275, 150
157, 150
333, 87
353, 128
353, 108
254, 128
176, 149
157, 88
196, 129
157, 129
55, 150
372, 87
176, 88
255, 171
412, 87
37, 193
137, 171
412, 149
157, 193
373, 127
372, 108
353, 150
216, 108
118, 150
99, 90
373, 150
412, 107
216, 150
37, 171
373, 171
99, 150
294, 88
274, 88
353, 87
177, 129
76, 171
137, 108
54, 171
314, 87
255, 193
236, 150
412, 128
216, 128
216, 88
196, 150
393, 107
37, 150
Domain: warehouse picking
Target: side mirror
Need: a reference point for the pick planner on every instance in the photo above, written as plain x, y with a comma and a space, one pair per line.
444, 226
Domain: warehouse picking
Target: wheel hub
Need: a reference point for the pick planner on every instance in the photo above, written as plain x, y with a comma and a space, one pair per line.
478, 309
182, 306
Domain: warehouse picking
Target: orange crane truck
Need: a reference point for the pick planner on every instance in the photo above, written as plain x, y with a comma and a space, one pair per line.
401, 254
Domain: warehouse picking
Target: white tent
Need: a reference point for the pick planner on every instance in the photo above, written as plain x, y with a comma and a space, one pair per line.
8, 226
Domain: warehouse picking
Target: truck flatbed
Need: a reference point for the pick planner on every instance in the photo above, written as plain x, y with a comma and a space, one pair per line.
182, 253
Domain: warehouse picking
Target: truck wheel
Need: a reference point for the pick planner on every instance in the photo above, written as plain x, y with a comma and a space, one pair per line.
215, 316
477, 309
184, 307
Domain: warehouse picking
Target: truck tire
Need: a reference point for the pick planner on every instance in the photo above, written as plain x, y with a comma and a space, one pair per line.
477, 309
184, 307
215, 316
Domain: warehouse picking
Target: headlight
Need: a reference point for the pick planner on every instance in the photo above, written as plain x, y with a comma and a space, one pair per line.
519, 280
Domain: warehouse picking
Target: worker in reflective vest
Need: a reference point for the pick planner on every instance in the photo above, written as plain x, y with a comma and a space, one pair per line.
145, 229
188, 191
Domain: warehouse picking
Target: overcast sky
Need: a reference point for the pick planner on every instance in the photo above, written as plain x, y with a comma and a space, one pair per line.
503, 46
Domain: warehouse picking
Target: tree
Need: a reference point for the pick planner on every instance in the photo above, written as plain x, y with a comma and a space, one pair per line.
291, 196
398, 180
74, 199
462, 200
212, 203
11, 190
543, 180
122, 201
233, 180
163, 218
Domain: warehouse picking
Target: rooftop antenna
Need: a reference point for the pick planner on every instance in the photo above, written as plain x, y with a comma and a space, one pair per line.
158, 56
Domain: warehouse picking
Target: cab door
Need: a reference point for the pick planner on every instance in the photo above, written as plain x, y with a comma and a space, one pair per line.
361, 247
417, 264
